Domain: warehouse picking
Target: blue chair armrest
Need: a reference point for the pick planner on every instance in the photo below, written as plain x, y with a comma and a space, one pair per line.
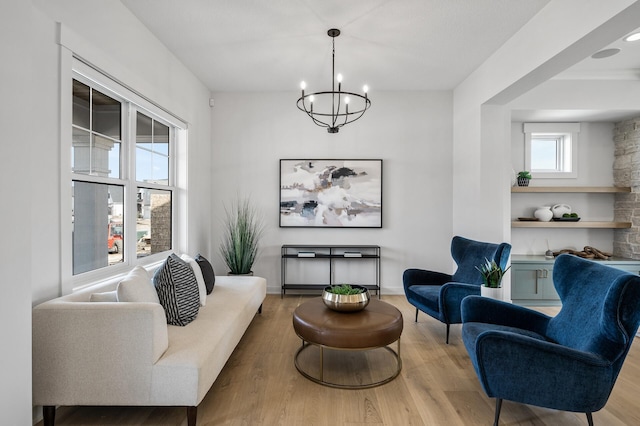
522, 368
491, 311
451, 296
414, 276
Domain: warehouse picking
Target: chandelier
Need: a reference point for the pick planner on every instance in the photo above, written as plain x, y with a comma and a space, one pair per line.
332, 108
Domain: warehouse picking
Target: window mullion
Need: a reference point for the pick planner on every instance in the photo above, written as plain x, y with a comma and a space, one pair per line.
131, 210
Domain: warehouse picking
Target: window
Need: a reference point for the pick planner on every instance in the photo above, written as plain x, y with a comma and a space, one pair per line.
551, 149
121, 172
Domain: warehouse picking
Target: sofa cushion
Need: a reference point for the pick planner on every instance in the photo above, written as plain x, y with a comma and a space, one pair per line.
177, 290
202, 288
207, 272
107, 296
136, 287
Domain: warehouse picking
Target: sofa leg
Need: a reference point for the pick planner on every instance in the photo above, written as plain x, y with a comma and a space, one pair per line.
447, 334
416, 314
498, 407
590, 419
49, 415
260, 309
192, 413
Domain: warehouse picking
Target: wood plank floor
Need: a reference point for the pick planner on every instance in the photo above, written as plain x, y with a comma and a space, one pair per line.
437, 386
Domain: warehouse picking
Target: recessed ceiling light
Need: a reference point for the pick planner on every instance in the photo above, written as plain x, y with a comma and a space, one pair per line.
605, 53
632, 37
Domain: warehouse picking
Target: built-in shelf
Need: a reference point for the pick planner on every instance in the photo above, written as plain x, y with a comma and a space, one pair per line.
571, 189
586, 224
567, 189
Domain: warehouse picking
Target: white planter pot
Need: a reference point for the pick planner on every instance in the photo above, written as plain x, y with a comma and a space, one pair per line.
494, 293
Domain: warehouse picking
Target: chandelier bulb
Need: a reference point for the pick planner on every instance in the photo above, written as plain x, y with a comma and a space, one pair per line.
365, 88
303, 85
311, 98
339, 78
346, 100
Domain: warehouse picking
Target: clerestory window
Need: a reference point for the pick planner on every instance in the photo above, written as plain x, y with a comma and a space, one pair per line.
551, 149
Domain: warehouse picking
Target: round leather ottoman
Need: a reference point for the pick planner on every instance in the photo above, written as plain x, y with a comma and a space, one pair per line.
376, 326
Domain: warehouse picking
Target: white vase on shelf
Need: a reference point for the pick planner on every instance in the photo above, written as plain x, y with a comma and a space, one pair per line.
544, 213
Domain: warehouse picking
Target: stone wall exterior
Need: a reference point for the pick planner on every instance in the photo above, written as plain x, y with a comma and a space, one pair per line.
626, 172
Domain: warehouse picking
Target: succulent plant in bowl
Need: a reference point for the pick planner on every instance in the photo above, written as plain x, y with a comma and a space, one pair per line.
346, 297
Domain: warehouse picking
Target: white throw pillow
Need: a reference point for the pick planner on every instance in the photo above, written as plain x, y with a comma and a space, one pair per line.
202, 288
137, 287
107, 296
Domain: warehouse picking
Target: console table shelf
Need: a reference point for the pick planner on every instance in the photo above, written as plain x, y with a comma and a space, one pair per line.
329, 255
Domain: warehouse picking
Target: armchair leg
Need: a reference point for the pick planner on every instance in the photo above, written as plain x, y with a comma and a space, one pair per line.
416, 314
498, 408
447, 334
590, 419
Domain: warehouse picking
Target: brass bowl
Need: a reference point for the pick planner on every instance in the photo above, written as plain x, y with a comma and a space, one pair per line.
346, 302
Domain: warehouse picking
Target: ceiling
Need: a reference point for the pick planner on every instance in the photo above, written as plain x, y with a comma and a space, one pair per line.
259, 45
271, 45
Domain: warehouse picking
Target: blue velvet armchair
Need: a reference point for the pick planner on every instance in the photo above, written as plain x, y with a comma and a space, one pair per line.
569, 362
438, 294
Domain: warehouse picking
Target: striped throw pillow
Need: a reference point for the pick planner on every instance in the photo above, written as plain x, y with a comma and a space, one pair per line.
177, 290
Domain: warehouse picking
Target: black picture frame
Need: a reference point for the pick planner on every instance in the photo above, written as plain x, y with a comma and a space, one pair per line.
331, 193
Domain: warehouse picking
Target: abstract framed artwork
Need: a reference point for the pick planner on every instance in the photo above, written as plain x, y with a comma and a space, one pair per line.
324, 193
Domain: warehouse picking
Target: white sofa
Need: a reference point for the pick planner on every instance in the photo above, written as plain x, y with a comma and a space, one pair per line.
124, 353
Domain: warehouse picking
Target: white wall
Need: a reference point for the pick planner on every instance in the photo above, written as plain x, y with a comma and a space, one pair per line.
563, 33
411, 132
595, 161
136, 58
16, 201
30, 152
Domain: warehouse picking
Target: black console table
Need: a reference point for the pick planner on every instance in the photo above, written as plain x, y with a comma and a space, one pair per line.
328, 256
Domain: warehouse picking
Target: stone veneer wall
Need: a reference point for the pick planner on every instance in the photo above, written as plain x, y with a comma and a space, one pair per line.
626, 172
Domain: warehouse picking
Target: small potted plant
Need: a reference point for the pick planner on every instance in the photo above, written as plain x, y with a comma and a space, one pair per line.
345, 297
492, 274
523, 178
243, 229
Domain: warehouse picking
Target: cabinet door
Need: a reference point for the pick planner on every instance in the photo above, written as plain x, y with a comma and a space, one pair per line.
532, 282
634, 268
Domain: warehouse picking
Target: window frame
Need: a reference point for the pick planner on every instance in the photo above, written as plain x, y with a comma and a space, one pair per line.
566, 150
75, 68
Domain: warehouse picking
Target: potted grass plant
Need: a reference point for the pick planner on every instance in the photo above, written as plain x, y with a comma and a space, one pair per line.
492, 275
243, 227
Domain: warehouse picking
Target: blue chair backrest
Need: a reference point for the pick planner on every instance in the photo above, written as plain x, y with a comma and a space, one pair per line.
600, 308
469, 253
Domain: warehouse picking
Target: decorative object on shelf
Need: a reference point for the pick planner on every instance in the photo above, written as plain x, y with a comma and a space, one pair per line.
346, 298
548, 254
559, 210
587, 253
331, 193
567, 217
243, 227
514, 179
523, 178
332, 107
492, 275
528, 219
544, 213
